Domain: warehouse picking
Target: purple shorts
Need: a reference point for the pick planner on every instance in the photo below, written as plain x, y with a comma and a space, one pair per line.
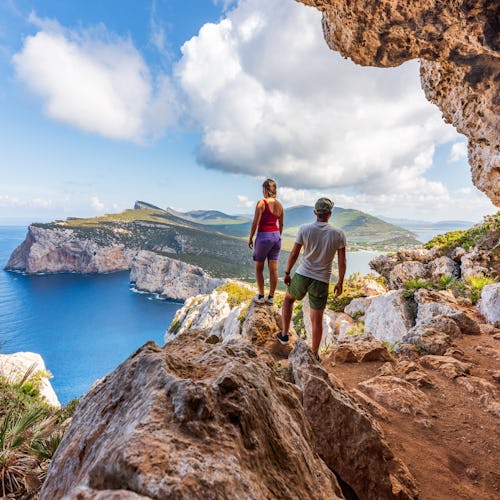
267, 246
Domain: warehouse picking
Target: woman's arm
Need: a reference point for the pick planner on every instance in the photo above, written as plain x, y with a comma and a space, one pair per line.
281, 219
259, 210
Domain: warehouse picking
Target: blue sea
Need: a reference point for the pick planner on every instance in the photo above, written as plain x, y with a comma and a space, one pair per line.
84, 326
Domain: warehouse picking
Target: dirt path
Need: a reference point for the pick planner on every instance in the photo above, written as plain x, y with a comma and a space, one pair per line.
453, 451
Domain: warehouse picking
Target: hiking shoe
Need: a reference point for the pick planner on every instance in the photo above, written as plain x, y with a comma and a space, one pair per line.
318, 359
259, 299
270, 300
282, 339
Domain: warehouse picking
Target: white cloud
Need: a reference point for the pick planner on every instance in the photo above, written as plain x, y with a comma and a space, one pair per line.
96, 204
16, 202
458, 152
433, 204
95, 81
272, 100
244, 201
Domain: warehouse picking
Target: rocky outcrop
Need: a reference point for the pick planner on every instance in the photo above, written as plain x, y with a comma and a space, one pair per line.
170, 278
15, 367
459, 49
190, 420
489, 305
388, 317
212, 312
63, 251
354, 445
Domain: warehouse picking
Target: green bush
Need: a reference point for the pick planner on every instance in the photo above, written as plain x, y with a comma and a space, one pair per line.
353, 288
30, 431
414, 284
237, 294
475, 285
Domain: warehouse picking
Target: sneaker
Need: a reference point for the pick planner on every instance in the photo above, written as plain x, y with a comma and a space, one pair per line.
270, 300
259, 299
318, 359
282, 339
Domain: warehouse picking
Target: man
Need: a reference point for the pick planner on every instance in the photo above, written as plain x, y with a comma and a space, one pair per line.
321, 242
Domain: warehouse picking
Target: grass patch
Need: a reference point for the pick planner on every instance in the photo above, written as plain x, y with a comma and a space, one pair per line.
237, 294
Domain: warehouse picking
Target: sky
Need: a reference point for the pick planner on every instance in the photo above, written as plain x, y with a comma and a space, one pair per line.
191, 104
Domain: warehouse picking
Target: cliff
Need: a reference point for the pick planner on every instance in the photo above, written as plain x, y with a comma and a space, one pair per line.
170, 278
458, 46
56, 250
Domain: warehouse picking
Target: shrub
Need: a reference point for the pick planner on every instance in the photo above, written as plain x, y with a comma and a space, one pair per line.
353, 288
475, 285
30, 431
414, 284
237, 294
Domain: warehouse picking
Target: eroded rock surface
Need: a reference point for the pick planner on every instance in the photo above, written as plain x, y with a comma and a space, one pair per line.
170, 278
190, 420
61, 250
354, 445
459, 49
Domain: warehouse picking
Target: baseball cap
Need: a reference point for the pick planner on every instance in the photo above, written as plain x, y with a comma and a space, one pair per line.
323, 206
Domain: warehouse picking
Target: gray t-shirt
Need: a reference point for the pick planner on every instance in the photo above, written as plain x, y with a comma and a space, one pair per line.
320, 242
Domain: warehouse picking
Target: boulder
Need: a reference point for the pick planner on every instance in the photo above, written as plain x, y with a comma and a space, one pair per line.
388, 317
347, 438
14, 367
190, 420
405, 271
489, 305
443, 266
448, 366
357, 307
434, 335
397, 394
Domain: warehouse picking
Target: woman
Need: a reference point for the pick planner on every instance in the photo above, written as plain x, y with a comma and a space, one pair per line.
268, 212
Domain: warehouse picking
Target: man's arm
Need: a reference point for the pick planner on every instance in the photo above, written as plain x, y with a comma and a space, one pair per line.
342, 266
292, 258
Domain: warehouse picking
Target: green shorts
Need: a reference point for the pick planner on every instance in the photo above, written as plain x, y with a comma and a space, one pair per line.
317, 290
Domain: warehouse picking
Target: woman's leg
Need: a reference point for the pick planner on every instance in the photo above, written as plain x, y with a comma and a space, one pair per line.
259, 276
273, 276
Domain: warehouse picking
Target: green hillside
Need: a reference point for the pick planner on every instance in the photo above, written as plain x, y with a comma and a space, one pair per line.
360, 228
150, 228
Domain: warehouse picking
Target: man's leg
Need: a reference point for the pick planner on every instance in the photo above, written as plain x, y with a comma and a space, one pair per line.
286, 314
273, 276
259, 276
317, 328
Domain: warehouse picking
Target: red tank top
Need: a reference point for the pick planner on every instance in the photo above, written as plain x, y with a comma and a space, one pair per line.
268, 221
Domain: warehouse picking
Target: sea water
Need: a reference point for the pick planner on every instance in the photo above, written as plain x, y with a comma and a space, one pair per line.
84, 326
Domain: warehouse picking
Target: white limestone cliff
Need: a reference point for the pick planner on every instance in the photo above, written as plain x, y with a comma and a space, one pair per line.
170, 278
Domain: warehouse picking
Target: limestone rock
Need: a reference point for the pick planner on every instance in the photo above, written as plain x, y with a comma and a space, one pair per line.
397, 394
450, 367
443, 266
212, 312
357, 307
62, 250
388, 317
405, 271
190, 420
354, 445
329, 325
434, 335
15, 366
170, 278
361, 348
489, 305
457, 44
